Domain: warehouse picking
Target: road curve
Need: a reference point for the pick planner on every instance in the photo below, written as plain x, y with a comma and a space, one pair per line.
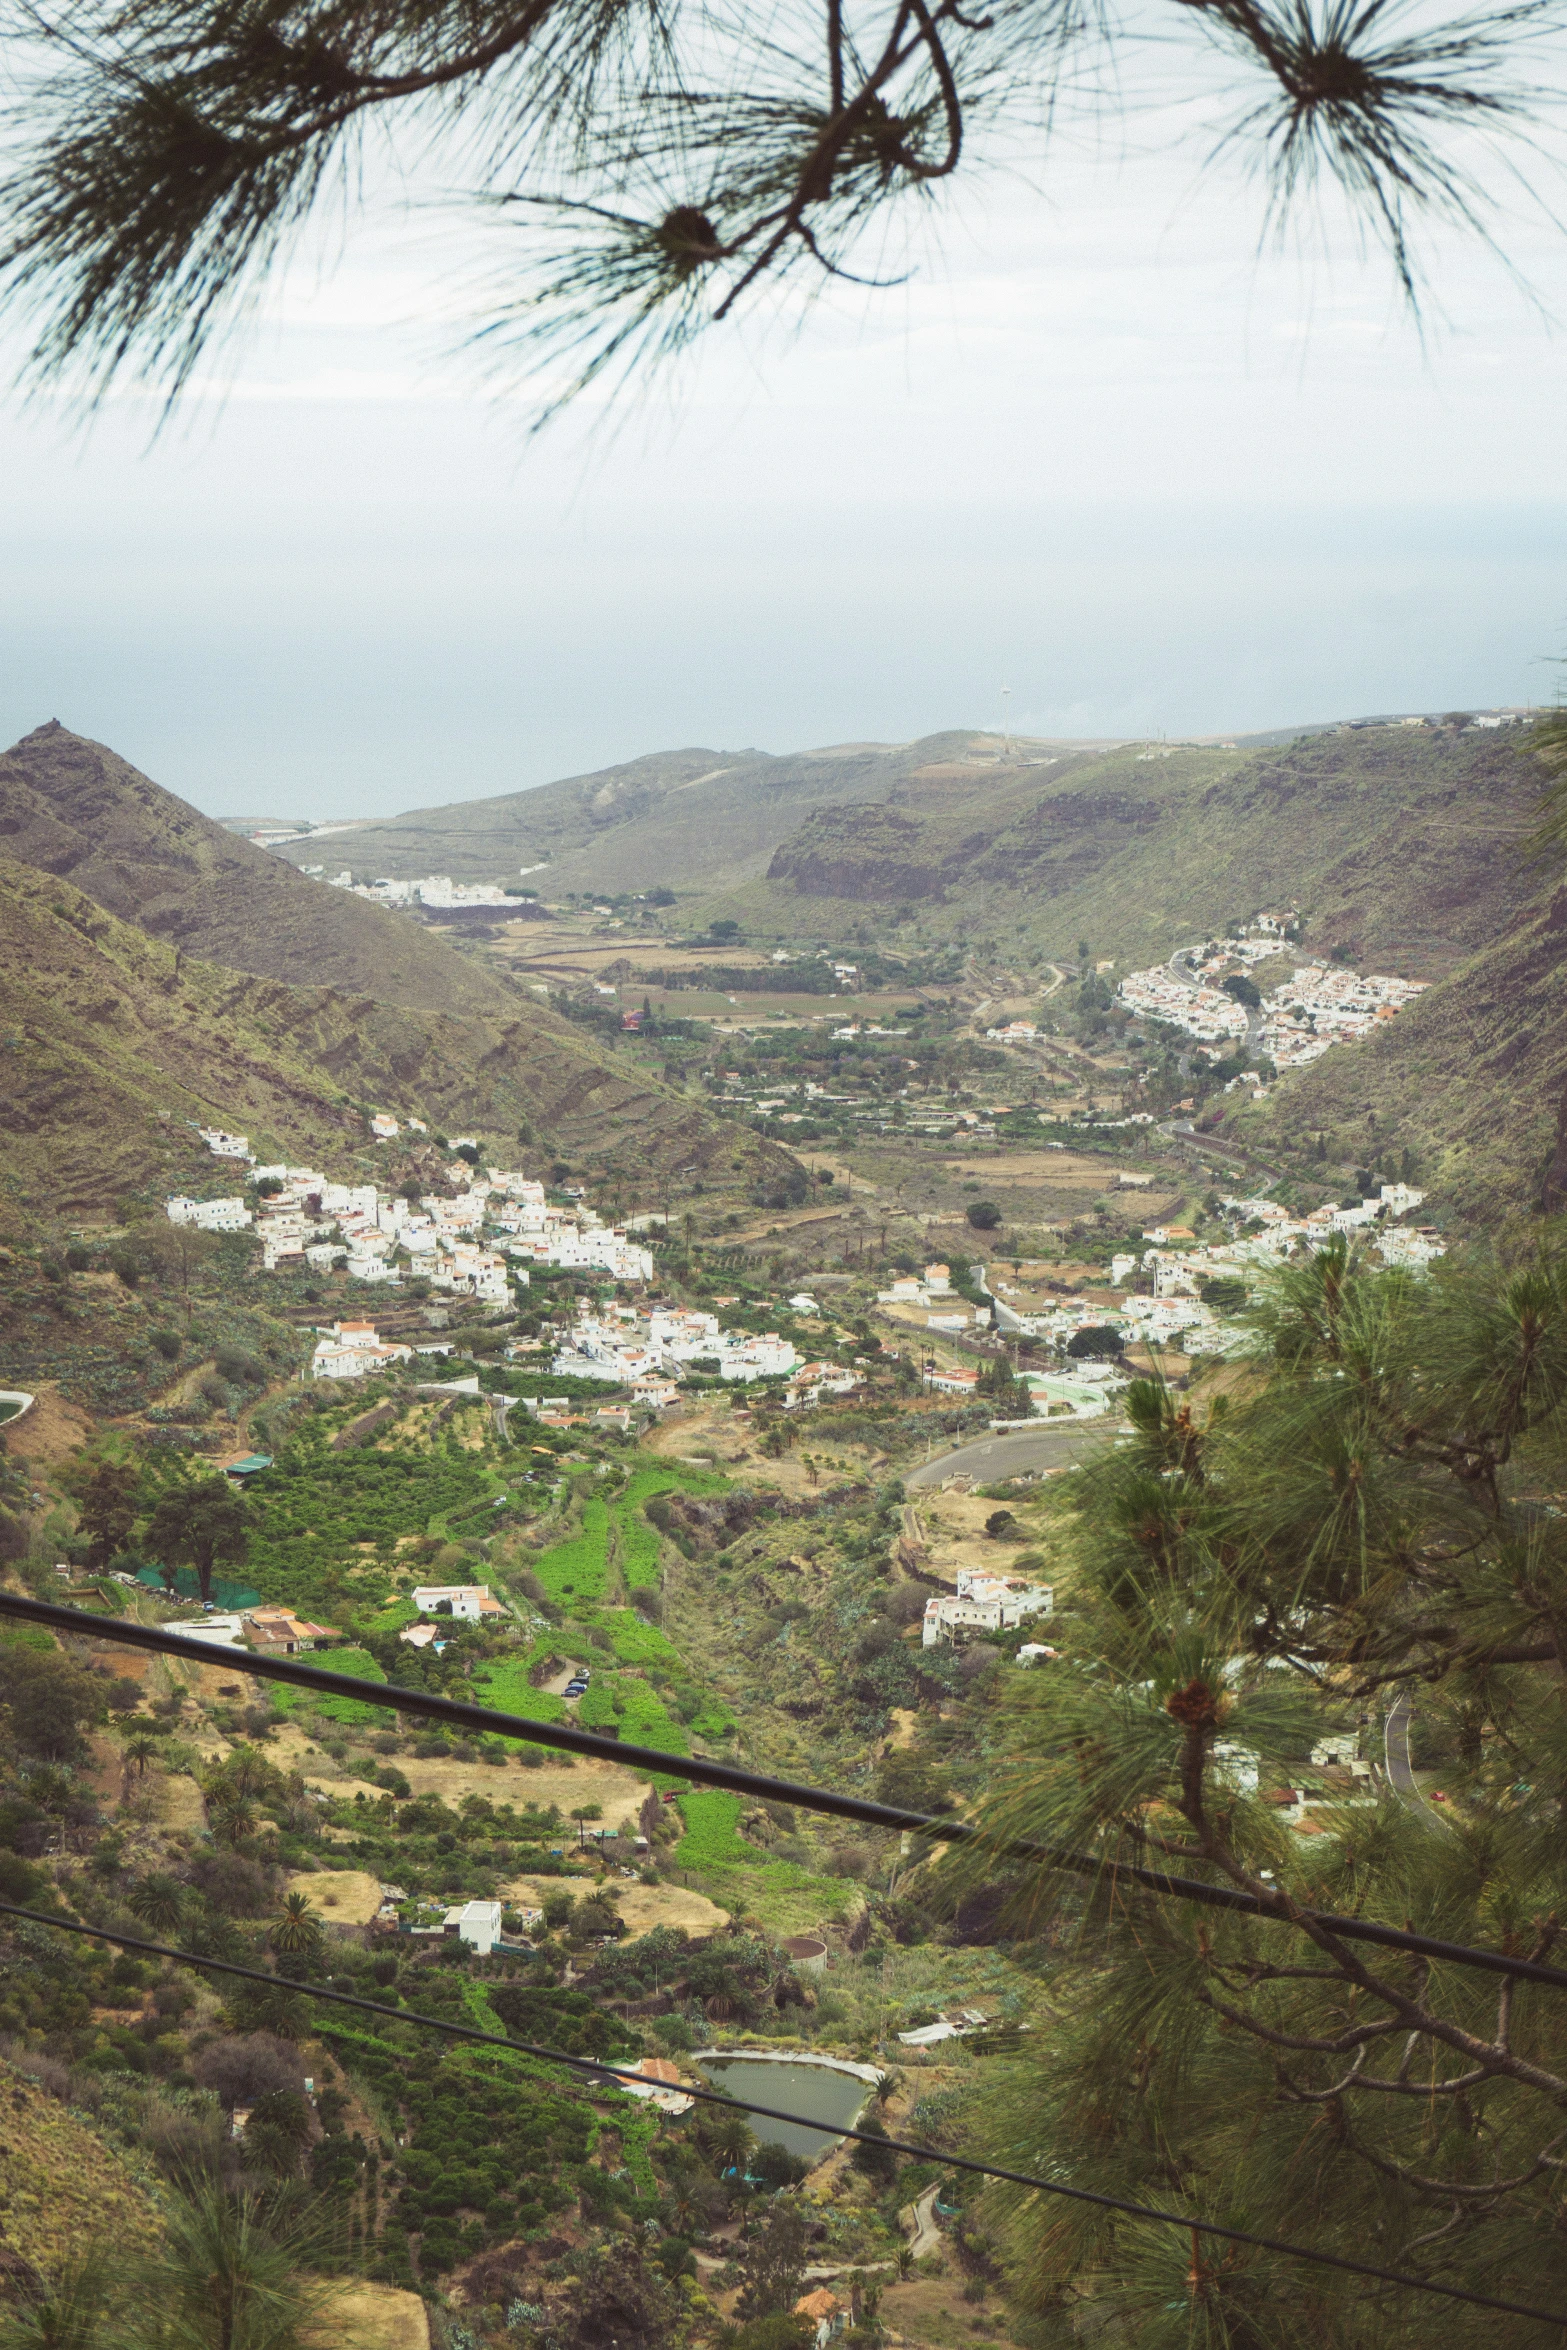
1015, 1452
1400, 1771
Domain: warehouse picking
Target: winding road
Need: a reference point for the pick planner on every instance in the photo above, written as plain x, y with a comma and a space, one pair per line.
1400, 1770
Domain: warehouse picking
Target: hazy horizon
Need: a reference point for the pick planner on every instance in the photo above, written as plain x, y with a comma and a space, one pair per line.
1101, 452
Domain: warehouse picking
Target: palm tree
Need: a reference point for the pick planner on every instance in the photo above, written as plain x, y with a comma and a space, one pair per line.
298, 1929
230, 2275
233, 1816
246, 1770
65, 2315
159, 1902
140, 1751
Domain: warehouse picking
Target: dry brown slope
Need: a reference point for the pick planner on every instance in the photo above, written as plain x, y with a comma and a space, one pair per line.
74, 808
112, 1043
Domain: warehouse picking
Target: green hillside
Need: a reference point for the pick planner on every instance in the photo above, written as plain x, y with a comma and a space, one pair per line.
114, 1042
680, 817
1399, 844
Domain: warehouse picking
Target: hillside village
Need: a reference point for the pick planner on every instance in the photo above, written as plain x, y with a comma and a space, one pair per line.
836, 1472
1205, 994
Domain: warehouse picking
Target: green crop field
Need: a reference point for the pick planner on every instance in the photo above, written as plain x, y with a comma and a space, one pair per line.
576, 1570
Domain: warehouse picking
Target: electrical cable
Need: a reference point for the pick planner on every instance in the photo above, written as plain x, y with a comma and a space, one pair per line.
616, 2076
704, 1771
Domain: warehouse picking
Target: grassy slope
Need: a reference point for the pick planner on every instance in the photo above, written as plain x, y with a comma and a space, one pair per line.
674, 817
112, 1041
1398, 844
75, 809
61, 2185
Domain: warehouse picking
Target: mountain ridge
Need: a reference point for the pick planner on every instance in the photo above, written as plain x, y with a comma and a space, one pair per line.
114, 1045
155, 964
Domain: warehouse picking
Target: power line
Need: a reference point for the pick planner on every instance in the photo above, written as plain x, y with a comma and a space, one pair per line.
616, 2076
705, 1771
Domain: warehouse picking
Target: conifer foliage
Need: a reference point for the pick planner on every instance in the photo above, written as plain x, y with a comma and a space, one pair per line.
1359, 1541
674, 161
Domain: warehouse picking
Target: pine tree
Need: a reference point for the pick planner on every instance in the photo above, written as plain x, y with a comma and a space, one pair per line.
1363, 1526
654, 176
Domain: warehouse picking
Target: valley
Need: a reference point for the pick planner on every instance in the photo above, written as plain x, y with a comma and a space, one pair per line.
795, 1314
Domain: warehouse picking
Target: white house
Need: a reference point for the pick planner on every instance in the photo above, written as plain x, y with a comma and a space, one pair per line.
210, 1215
384, 1128
478, 1923
217, 1631
353, 1350
984, 1603
225, 1146
468, 1602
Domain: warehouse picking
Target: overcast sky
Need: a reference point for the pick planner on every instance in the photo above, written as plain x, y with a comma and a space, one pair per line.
1098, 453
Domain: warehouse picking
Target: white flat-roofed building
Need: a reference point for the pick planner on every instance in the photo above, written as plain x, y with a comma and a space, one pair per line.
984, 1603
478, 1923
469, 1603
210, 1215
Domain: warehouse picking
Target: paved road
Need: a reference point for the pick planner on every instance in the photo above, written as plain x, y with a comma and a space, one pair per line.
1014, 1453
1399, 1769
926, 2236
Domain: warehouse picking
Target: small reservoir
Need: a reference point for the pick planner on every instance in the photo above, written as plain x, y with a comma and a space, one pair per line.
814, 2091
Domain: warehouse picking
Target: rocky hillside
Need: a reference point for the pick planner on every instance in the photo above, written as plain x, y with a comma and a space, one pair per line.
1472, 1080
676, 817
1401, 844
76, 809
112, 1043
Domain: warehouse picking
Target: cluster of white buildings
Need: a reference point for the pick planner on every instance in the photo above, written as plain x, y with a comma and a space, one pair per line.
1175, 1314
210, 1215
1321, 1004
984, 1603
933, 1294
1204, 1012
1015, 1032
436, 889
1282, 1234
459, 1245
651, 1353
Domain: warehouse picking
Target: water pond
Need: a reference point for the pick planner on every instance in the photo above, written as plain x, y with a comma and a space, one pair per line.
813, 2091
